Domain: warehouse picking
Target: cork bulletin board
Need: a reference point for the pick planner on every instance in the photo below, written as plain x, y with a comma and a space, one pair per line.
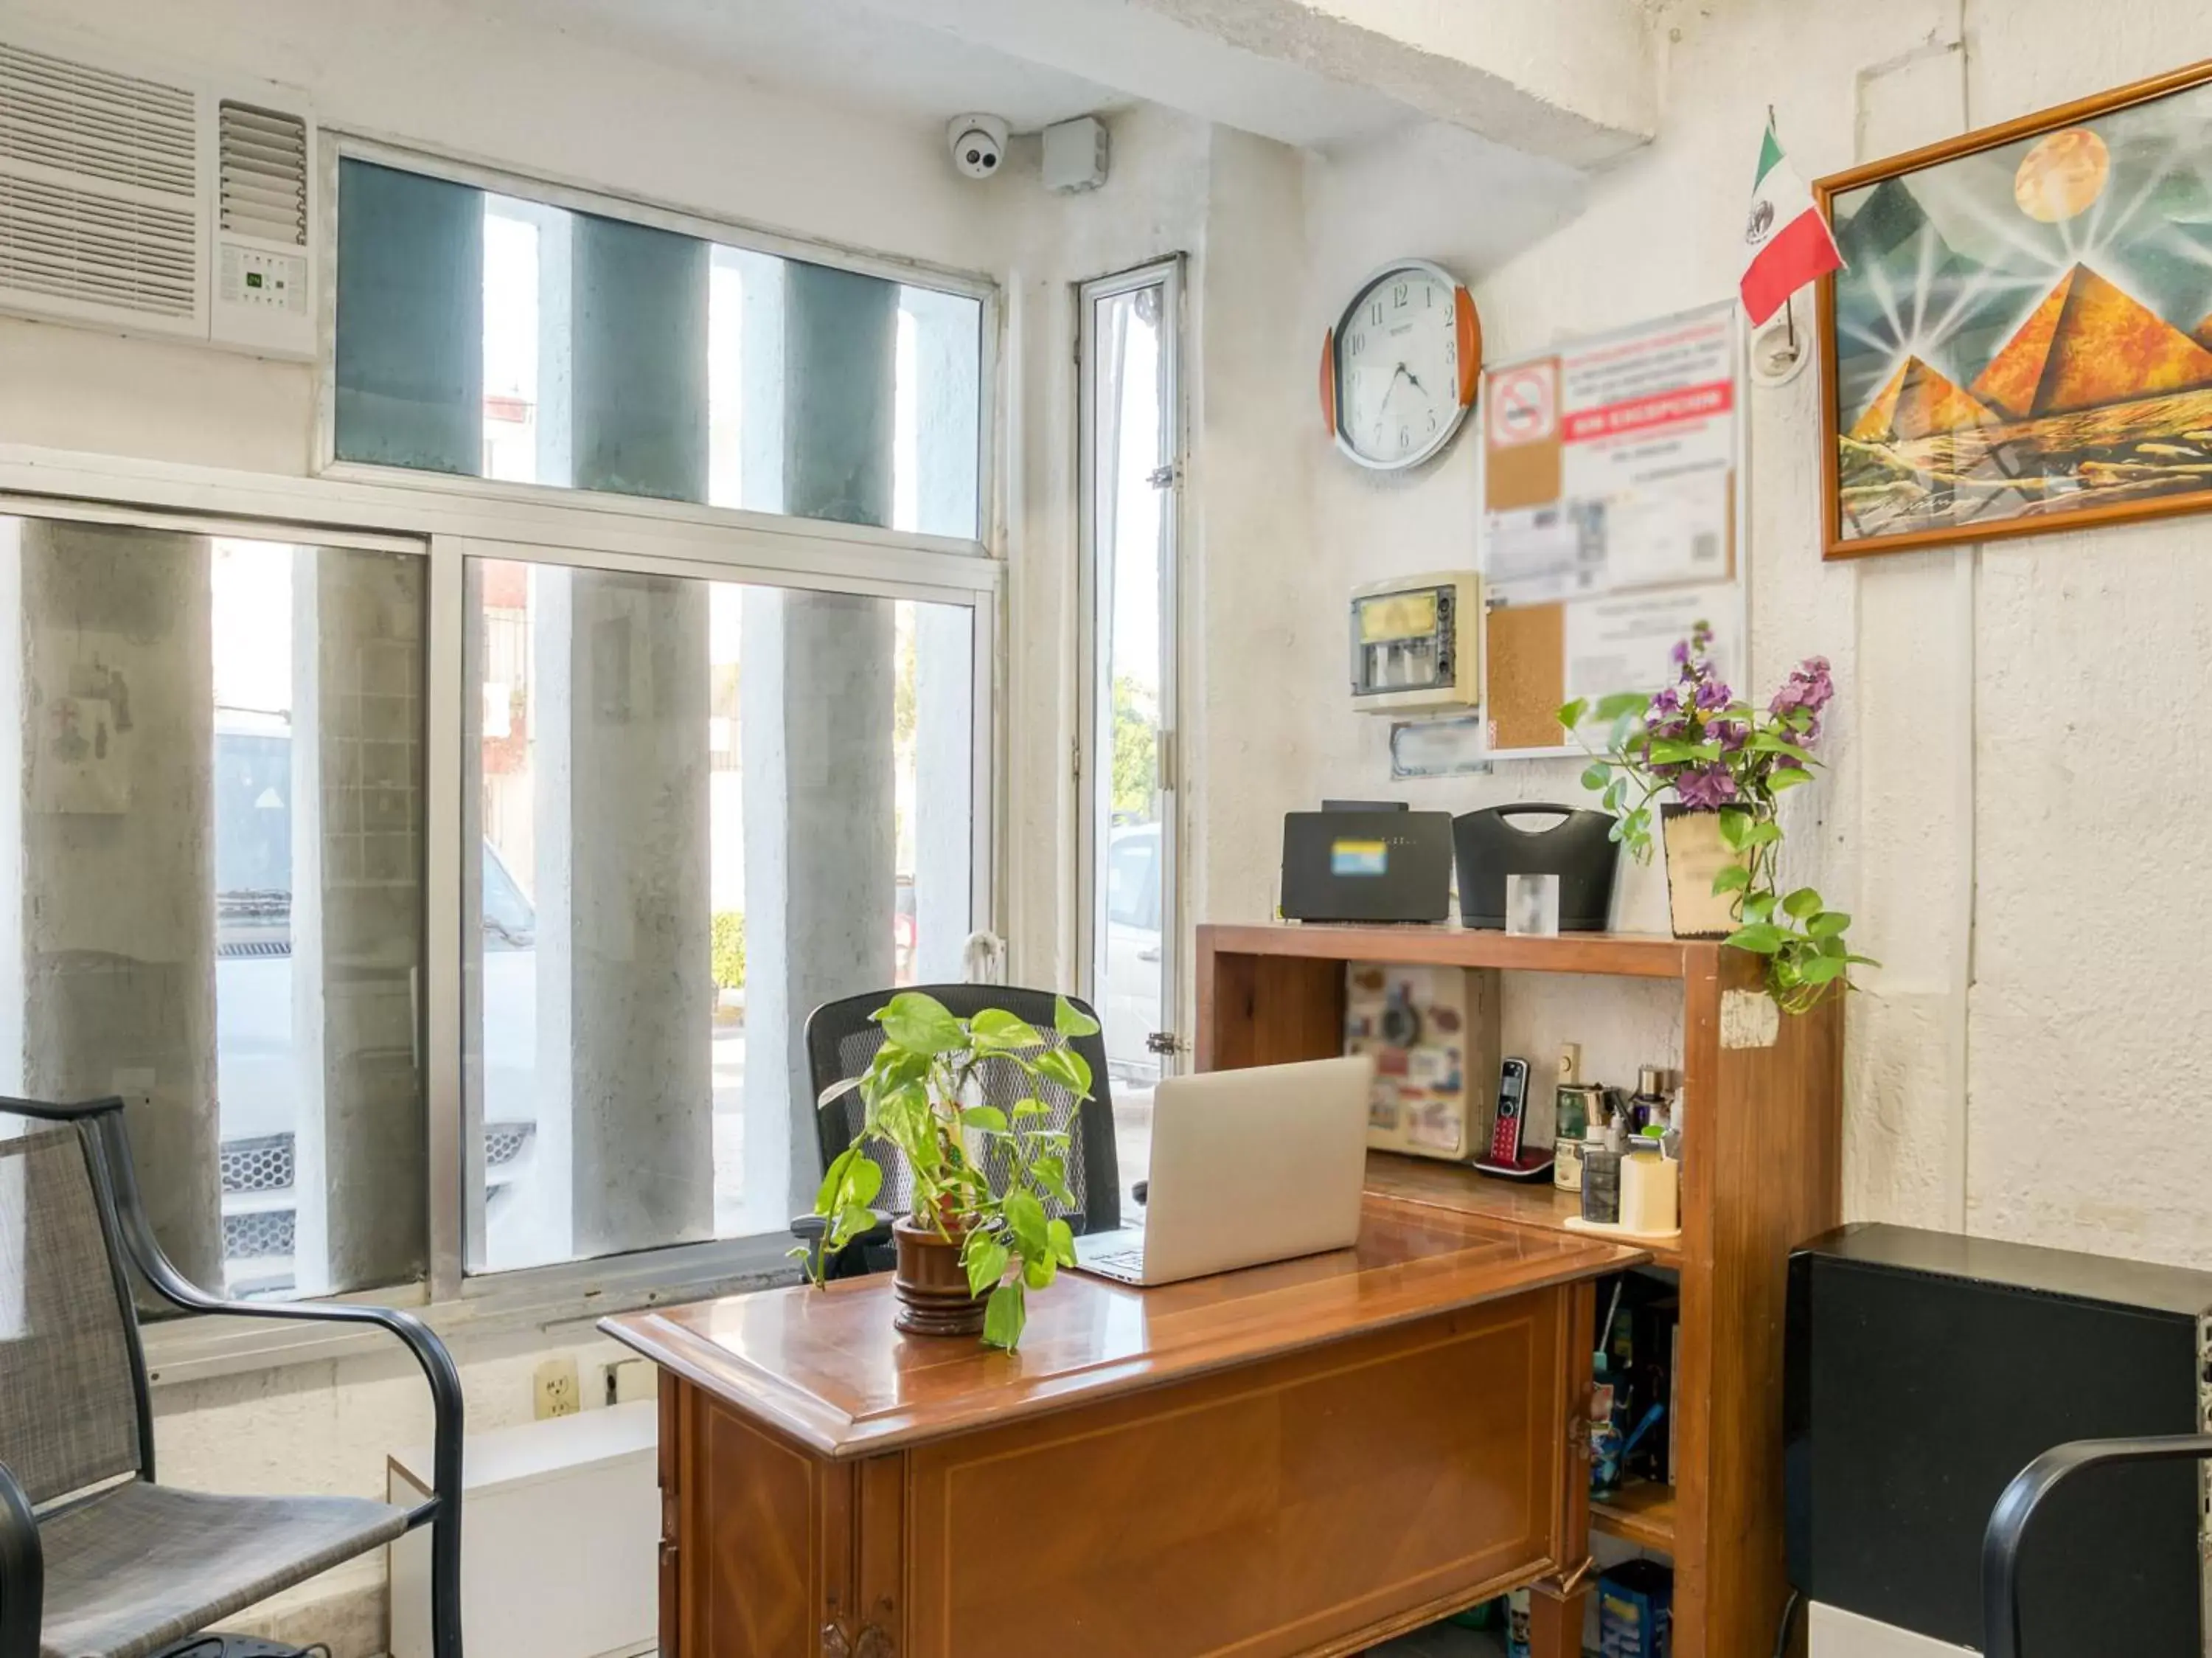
1612, 502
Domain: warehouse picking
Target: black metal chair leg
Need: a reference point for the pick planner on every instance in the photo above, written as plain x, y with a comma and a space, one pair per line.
22, 1572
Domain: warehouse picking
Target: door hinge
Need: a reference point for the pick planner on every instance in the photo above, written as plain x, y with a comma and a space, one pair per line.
1075, 759
1167, 762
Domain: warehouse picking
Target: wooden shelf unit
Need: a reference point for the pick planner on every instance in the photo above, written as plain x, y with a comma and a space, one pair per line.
1640, 1512
1466, 1190
1762, 1136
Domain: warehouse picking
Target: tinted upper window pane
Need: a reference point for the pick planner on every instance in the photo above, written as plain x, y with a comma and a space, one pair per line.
500, 338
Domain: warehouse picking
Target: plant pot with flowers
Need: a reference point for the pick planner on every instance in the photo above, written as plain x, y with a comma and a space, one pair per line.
976, 1237
1727, 764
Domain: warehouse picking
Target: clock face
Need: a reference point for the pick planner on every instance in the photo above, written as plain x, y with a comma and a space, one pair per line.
1399, 384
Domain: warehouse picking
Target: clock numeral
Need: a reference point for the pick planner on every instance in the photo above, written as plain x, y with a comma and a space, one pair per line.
1375, 314
1432, 420
1398, 296
1405, 439
1356, 344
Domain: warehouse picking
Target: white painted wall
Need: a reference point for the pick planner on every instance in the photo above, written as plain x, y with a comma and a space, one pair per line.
2007, 811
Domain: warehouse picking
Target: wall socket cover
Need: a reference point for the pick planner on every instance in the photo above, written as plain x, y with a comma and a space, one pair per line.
630, 1381
557, 1393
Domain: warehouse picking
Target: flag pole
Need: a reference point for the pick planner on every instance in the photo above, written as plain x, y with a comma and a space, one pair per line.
1789, 303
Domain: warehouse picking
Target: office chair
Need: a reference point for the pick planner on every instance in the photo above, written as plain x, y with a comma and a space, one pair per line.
96, 1559
842, 1038
2016, 1506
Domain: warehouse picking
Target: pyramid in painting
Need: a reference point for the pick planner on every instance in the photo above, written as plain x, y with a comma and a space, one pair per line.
1920, 401
2089, 343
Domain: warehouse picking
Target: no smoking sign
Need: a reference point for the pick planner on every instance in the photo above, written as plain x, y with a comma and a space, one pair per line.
1524, 405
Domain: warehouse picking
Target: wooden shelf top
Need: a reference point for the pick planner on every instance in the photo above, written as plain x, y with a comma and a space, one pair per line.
1435, 1184
1639, 1513
1448, 944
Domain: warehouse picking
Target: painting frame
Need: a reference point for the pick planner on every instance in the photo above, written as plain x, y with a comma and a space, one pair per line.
1833, 543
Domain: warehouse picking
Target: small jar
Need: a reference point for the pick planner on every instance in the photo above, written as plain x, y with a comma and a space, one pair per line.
1600, 1183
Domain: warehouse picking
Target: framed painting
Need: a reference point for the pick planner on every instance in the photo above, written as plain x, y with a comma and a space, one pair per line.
2021, 338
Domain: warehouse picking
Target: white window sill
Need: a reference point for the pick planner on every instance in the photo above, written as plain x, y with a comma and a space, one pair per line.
187, 1349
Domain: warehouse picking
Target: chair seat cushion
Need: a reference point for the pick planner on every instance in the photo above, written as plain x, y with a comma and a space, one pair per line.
137, 1567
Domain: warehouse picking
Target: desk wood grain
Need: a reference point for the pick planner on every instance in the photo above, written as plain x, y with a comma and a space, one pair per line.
824, 1370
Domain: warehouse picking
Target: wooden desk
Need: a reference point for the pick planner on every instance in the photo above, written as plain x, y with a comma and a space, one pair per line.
1301, 1458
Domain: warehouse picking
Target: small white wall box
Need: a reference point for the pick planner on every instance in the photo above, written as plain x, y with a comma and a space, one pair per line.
1075, 156
561, 1520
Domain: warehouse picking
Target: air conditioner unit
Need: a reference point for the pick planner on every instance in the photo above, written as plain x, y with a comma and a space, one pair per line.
156, 204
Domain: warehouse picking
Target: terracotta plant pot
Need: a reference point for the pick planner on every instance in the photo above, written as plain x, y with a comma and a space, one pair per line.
930, 1284
1695, 854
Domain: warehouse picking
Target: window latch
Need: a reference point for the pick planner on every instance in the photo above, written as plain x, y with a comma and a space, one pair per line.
1163, 477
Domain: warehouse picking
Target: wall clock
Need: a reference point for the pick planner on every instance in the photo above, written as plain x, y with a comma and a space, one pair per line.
1399, 371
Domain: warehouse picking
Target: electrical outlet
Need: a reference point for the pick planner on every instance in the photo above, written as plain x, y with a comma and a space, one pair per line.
631, 1379
557, 1390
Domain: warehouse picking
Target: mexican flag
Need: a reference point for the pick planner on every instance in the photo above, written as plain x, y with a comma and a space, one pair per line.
1790, 242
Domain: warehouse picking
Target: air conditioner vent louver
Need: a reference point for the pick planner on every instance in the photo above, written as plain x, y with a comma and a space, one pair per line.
82, 246
95, 124
263, 170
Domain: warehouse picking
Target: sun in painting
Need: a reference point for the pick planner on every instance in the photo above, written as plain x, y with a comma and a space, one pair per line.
2062, 175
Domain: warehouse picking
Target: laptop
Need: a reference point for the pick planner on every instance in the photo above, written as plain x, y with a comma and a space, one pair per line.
1367, 866
1248, 1166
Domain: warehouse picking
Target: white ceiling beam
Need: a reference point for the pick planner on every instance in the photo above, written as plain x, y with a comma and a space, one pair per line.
1571, 80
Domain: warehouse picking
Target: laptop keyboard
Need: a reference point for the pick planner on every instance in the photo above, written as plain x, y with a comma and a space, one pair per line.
1119, 1263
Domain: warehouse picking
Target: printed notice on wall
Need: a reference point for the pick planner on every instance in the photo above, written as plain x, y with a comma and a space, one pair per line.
1609, 504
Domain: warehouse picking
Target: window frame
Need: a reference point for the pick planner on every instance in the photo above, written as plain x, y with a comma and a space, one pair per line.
1092, 768
444, 528
338, 145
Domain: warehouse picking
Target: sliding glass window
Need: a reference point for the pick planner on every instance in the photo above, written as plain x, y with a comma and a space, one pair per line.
212, 882
696, 810
492, 336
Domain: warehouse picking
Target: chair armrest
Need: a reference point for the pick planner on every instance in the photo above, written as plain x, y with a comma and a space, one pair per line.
22, 1572
129, 1213
2016, 1505
810, 1228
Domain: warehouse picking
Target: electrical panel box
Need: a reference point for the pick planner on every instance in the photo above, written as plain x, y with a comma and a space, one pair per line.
1414, 642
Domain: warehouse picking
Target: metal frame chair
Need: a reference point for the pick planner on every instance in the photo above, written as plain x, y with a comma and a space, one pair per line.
129, 1236
2016, 1505
842, 1037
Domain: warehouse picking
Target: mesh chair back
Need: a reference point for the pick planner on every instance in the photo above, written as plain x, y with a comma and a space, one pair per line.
842, 1039
68, 1413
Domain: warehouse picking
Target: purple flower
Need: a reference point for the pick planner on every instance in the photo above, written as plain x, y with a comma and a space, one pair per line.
1809, 686
1669, 701
1731, 734
1706, 787
1712, 694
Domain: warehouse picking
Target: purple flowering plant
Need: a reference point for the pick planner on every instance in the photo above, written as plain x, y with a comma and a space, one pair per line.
1719, 754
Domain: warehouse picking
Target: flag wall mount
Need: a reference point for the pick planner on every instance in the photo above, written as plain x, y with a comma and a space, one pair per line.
1779, 350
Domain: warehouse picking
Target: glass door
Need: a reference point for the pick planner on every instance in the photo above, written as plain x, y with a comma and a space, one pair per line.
1131, 456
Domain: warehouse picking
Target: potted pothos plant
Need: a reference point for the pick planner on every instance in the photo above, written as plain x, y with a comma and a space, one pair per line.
1727, 763
976, 1237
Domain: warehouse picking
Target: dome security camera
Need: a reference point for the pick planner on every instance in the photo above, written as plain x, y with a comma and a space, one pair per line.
978, 144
